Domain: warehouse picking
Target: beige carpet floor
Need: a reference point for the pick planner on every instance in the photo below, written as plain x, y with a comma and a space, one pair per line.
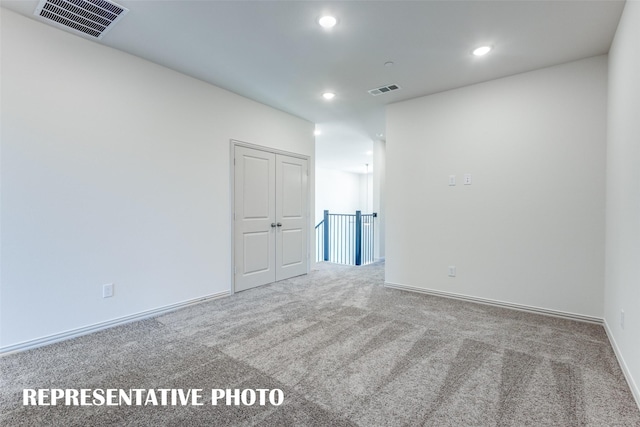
345, 351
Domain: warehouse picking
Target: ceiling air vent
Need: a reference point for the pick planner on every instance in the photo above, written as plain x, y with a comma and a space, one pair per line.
88, 17
384, 89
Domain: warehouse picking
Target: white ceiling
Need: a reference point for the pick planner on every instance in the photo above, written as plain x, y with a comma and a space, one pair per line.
276, 53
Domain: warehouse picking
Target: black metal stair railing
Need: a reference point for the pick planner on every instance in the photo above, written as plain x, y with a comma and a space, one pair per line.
346, 238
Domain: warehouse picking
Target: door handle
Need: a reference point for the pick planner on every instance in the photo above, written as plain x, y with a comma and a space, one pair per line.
273, 225
279, 224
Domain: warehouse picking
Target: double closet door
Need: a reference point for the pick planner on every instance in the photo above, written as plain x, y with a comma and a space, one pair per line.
270, 217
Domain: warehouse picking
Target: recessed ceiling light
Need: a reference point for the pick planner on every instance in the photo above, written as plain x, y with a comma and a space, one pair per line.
369, 153
328, 95
482, 50
388, 64
317, 132
327, 21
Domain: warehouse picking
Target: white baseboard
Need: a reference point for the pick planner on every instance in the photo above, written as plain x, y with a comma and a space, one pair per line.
497, 303
73, 333
623, 365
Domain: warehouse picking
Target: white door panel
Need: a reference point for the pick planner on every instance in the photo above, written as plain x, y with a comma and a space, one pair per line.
254, 236
291, 212
291, 180
257, 256
256, 187
271, 223
292, 247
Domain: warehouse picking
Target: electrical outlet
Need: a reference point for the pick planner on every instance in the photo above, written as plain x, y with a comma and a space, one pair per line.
452, 271
452, 180
107, 290
467, 179
622, 318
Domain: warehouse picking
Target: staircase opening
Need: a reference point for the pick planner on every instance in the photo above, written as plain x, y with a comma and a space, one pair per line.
346, 238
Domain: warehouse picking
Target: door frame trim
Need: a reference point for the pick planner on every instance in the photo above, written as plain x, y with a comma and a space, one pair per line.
233, 143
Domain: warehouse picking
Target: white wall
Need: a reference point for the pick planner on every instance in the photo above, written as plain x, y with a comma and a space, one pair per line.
530, 229
379, 173
338, 192
366, 192
622, 289
114, 170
